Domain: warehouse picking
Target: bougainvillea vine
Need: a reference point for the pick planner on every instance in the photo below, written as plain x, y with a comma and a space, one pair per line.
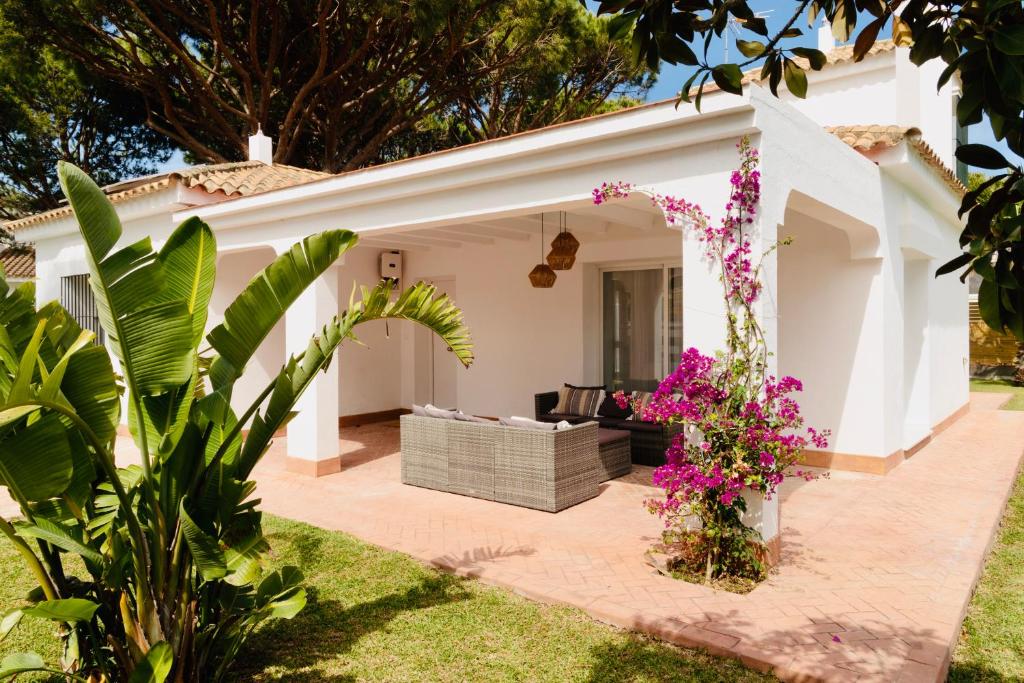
743, 430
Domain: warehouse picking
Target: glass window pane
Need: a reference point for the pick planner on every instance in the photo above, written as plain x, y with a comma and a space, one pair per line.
633, 318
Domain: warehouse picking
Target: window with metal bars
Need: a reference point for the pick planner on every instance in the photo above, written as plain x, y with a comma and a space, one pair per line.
76, 296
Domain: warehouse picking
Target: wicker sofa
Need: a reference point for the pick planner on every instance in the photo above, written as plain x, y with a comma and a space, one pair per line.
541, 469
648, 441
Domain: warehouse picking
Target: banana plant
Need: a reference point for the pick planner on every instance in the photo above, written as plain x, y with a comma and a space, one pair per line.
171, 571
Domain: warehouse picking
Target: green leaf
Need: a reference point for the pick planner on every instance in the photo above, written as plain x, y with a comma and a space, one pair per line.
816, 58
206, 552
21, 662
160, 341
155, 667
1009, 39
954, 264
866, 38
796, 79
988, 305
68, 609
981, 156
100, 226
245, 560
90, 387
35, 461
251, 316
59, 536
190, 266
729, 78
10, 619
280, 594
417, 304
750, 48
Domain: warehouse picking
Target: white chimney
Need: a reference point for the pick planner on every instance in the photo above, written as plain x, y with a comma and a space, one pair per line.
261, 148
826, 41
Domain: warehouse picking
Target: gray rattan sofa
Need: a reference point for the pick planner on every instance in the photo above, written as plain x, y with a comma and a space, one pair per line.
541, 469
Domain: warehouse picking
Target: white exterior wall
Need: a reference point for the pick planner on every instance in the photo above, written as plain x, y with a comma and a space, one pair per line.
834, 307
527, 340
370, 374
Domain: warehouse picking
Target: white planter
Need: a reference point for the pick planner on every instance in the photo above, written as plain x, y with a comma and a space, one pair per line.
764, 517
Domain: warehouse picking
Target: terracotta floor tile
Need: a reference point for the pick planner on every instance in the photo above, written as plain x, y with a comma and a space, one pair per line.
883, 560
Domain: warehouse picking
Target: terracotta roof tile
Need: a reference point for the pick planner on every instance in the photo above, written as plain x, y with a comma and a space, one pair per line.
872, 137
242, 178
19, 262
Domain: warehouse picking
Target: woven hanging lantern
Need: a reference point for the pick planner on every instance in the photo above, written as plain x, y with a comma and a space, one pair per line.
542, 276
563, 247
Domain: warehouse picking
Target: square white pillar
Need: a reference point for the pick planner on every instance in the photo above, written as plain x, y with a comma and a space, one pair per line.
313, 433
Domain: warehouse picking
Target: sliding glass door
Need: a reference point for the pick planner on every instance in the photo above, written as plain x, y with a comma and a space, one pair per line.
642, 320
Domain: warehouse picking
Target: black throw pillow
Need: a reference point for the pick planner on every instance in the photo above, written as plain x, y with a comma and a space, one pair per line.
609, 408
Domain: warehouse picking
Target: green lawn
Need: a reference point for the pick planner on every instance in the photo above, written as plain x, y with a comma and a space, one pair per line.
376, 615
991, 646
1001, 386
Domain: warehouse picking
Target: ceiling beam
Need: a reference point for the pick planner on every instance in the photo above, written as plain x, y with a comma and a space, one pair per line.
635, 218
391, 246
492, 230
454, 234
409, 238
575, 223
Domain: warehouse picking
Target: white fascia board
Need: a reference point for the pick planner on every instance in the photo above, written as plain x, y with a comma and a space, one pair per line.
162, 202
622, 134
918, 177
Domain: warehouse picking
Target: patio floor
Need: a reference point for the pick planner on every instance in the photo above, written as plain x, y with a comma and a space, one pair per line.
887, 564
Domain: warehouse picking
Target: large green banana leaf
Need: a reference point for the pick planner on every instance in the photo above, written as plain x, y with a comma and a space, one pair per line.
150, 332
417, 304
263, 302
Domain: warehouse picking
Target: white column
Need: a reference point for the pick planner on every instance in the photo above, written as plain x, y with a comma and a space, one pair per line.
313, 433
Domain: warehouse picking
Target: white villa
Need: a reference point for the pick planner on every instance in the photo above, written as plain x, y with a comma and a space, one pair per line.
861, 175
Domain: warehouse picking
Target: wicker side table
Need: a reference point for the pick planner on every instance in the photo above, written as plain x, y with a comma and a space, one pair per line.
614, 449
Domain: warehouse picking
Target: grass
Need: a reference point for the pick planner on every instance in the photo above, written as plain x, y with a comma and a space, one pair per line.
991, 646
375, 615
1001, 386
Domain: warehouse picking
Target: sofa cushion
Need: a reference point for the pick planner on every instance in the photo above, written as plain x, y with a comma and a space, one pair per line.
614, 422
572, 401
419, 410
559, 417
606, 436
596, 386
610, 408
637, 426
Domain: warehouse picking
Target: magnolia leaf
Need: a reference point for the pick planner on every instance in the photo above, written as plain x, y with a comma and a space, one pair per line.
729, 78
1009, 39
796, 79
750, 48
816, 58
981, 156
68, 609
